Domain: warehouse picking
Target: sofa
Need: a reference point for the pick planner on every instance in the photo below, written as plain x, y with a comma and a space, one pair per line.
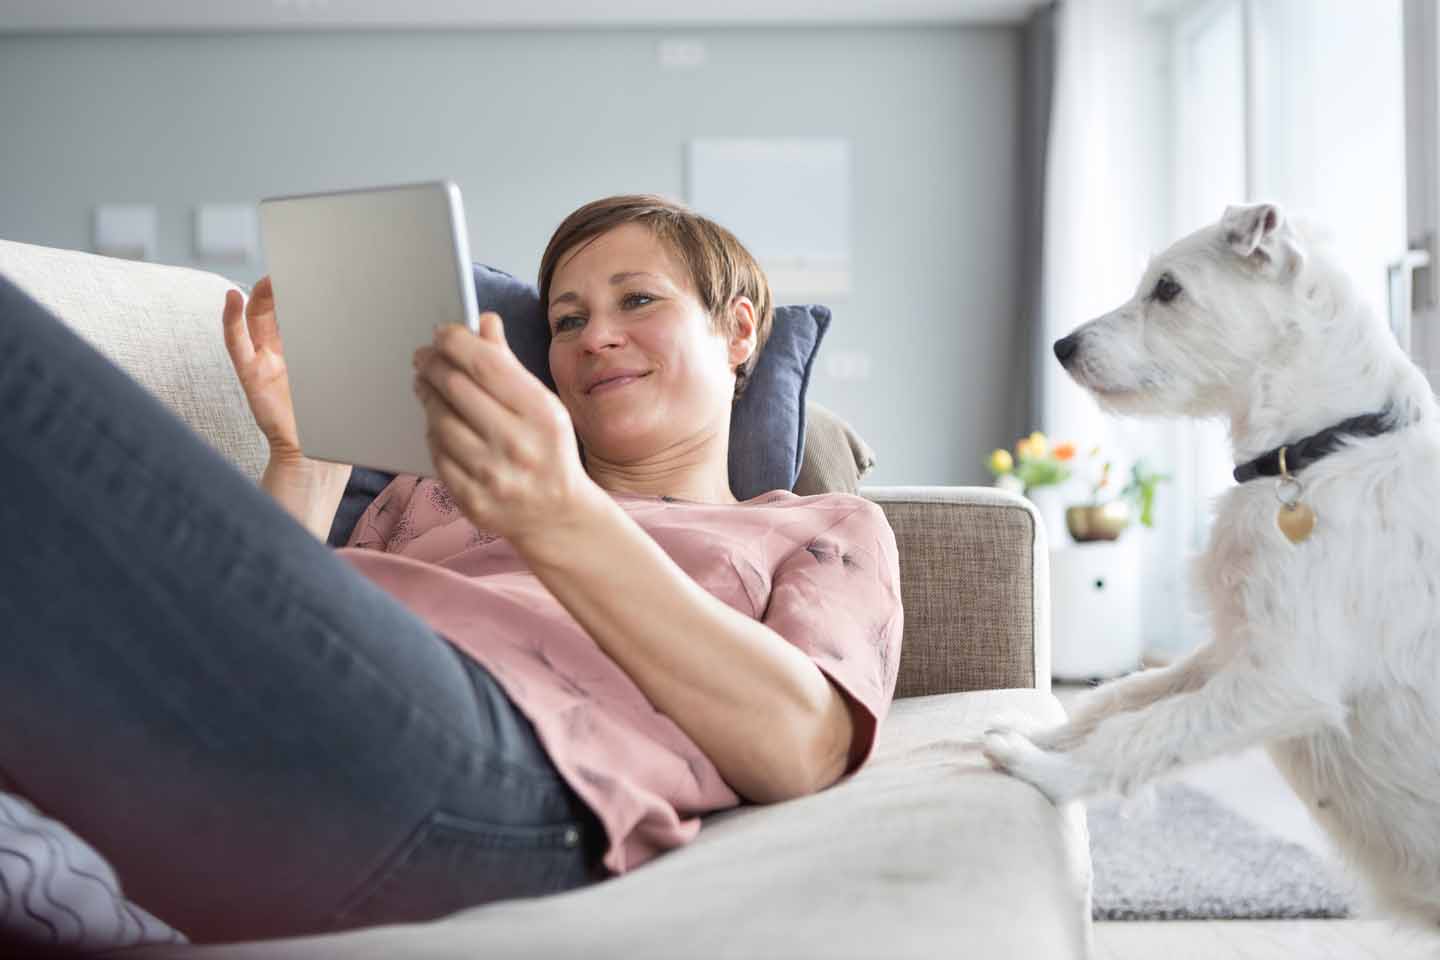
926, 852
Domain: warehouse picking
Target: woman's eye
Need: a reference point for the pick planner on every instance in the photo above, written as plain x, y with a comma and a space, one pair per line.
637, 299
1166, 288
566, 322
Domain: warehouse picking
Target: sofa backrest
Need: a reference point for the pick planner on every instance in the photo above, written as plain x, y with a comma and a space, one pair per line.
160, 324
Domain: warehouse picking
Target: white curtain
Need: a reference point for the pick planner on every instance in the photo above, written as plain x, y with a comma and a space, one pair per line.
1099, 214
1106, 211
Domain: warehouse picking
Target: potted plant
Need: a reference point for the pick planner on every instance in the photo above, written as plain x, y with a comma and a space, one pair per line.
1036, 464
1141, 490
1036, 471
1105, 517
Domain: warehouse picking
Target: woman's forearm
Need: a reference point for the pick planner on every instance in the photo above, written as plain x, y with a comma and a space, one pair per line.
309, 490
764, 714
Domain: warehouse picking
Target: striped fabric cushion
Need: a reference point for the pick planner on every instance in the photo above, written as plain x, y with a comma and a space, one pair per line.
57, 891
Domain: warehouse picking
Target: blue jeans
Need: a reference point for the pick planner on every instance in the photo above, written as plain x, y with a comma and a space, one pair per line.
260, 740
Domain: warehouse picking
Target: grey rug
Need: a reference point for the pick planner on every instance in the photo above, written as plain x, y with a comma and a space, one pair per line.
1187, 857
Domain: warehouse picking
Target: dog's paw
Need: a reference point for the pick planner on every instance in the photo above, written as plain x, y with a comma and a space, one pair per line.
1063, 736
1005, 748
998, 726
1051, 773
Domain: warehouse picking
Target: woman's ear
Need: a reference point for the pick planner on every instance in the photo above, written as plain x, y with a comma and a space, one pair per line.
743, 333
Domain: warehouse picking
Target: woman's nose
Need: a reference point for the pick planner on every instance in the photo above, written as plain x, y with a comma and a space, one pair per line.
601, 330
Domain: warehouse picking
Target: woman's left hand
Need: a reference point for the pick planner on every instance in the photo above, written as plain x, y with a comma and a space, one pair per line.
503, 444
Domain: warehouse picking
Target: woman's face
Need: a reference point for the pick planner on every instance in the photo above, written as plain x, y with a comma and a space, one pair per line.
633, 352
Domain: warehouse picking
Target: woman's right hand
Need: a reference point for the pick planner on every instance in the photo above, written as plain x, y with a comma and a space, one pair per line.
252, 338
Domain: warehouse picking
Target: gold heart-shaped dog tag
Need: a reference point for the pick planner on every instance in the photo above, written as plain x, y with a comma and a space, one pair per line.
1295, 520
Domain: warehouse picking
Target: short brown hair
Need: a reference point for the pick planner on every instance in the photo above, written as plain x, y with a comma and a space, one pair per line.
720, 267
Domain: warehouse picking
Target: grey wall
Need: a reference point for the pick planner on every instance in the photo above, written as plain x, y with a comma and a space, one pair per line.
533, 123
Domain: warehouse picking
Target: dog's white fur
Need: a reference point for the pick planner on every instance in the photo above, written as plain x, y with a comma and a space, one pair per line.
1326, 651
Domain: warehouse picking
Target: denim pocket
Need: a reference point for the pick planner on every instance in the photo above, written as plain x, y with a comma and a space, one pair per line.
453, 862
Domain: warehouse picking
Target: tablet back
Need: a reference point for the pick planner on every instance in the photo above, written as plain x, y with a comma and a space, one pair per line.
361, 279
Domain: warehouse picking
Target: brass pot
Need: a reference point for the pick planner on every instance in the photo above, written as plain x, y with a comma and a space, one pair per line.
1105, 522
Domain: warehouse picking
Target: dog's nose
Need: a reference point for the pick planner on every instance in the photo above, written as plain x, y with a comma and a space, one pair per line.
1065, 347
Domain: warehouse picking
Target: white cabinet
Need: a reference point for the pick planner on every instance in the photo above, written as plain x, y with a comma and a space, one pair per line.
1095, 609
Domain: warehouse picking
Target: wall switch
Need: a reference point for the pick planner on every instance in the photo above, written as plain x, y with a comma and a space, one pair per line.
848, 365
228, 232
807, 279
678, 53
125, 230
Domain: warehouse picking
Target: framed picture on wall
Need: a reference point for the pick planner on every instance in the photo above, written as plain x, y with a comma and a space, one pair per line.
788, 200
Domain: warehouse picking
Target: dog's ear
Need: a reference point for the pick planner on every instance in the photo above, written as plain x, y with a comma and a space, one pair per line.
1258, 232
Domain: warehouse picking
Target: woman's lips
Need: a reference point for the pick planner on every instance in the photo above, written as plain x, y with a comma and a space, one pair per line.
616, 383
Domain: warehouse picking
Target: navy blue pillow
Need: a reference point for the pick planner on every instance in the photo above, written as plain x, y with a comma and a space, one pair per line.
767, 427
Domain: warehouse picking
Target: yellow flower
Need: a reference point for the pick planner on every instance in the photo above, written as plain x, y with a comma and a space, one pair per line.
1033, 447
1001, 461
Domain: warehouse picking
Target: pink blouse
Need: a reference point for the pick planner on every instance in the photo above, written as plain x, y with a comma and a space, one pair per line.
823, 572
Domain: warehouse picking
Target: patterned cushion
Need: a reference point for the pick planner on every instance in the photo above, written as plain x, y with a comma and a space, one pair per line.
56, 891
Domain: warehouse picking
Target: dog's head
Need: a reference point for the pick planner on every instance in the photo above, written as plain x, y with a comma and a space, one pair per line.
1206, 313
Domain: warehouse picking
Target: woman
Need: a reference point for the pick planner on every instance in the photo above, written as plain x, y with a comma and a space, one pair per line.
531, 672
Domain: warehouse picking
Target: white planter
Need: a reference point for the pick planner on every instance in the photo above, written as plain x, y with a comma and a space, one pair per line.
1008, 481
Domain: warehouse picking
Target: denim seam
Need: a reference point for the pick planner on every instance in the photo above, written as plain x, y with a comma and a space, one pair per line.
416, 842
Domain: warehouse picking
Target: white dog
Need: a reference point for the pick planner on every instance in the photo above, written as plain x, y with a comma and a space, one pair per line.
1322, 582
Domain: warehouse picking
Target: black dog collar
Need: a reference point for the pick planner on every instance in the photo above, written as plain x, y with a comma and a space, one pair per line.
1302, 453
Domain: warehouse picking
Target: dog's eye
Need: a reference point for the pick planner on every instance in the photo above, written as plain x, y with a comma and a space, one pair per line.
1166, 289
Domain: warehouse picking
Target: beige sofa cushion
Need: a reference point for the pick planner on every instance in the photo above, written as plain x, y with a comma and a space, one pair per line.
925, 853
835, 458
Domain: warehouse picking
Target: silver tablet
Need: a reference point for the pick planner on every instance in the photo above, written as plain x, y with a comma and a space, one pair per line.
362, 278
